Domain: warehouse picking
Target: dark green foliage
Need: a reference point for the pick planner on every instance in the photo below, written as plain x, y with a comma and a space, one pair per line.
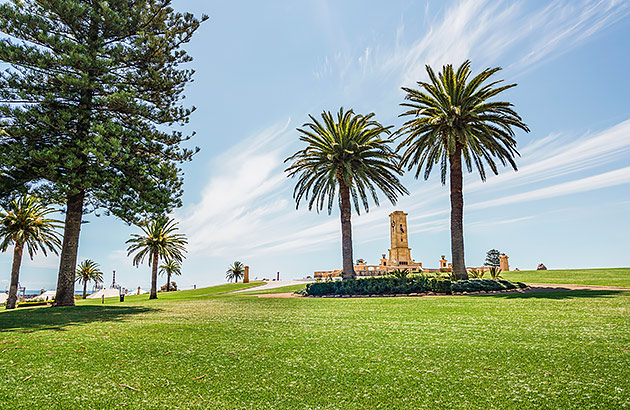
382, 285
387, 285
350, 150
478, 285
87, 101
235, 272
492, 258
94, 82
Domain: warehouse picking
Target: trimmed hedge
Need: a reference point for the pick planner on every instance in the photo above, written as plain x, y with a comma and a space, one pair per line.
487, 285
381, 285
387, 285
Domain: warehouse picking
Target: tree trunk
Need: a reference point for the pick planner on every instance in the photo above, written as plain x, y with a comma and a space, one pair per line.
168, 282
457, 216
69, 250
154, 271
84, 289
15, 275
346, 231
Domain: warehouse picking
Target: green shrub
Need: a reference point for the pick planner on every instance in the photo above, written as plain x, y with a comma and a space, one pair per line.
478, 285
33, 303
381, 285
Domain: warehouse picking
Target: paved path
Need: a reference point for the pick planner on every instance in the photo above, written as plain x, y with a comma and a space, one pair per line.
273, 285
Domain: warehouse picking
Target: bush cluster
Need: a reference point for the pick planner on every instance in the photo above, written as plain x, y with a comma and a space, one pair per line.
487, 285
387, 285
382, 285
27, 303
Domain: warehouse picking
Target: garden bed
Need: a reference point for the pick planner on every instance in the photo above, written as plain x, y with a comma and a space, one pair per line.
419, 285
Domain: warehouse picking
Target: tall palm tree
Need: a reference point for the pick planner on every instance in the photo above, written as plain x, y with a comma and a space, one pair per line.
170, 268
24, 223
158, 240
236, 272
347, 156
452, 118
88, 270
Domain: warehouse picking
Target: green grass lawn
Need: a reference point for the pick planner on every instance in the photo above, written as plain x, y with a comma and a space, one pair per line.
602, 277
202, 349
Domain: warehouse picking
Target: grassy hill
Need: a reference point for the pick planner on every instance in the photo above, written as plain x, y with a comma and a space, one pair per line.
209, 350
601, 277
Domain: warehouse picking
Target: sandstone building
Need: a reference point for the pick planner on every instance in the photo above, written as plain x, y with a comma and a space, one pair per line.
399, 255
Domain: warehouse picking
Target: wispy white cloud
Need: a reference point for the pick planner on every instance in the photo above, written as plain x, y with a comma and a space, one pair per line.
486, 32
559, 155
605, 180
239, 195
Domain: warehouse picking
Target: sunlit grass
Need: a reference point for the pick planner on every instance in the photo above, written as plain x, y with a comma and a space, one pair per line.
602, 277
520, 351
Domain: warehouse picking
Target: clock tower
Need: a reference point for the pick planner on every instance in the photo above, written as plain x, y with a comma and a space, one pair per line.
399, 254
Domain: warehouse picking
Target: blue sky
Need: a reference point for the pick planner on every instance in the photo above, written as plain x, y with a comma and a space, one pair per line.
262, 67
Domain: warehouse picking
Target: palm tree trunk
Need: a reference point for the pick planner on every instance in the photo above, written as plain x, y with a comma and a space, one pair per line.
154, 277
69, 250
168, 282
15, 275
346, 230
84, 289
457, 215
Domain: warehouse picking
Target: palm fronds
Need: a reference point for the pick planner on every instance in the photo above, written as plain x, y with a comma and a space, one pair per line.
235, 272
450, 112
25, 222
351, 149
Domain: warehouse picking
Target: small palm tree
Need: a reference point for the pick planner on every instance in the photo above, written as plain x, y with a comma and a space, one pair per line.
170, 268
24, 223
236, 272
452, 118
348, 156
158, 240
399, 273
88, 270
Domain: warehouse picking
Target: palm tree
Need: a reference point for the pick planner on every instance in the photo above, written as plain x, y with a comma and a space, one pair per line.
236, 272
24, 223
158, 240
452, 118
350, 156
170, 268
88, 270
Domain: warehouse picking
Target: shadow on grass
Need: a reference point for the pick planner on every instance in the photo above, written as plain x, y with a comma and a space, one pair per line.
560, 294
32, 320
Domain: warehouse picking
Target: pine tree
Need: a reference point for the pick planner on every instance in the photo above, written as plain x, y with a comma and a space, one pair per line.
91, 89
492, 258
